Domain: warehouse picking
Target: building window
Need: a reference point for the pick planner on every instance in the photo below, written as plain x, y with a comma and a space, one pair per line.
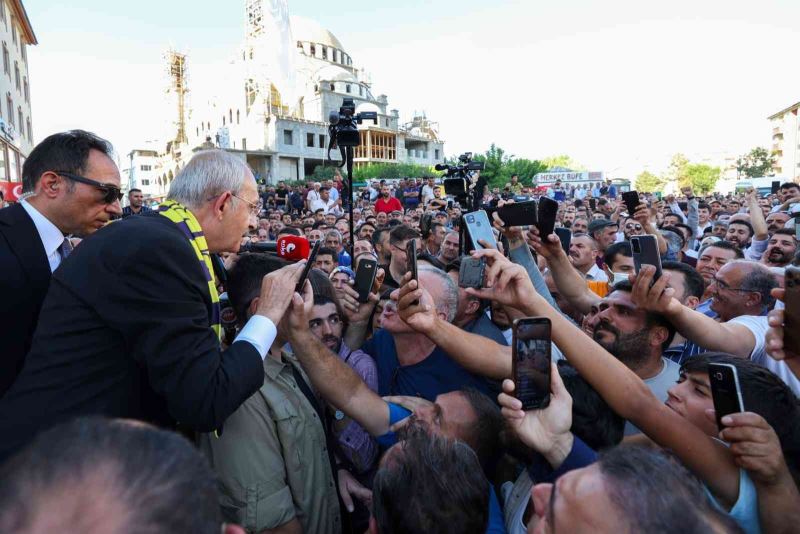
310, 140
30, 131
237, 116
14, 31
10, 108
3, 12
244, 143
321, 141
21, 124
16, 76
24, 52
25, 89
313, 50
145, 182
6, 66
347, 88
324, 52
436, 153
360, 90
335, 56
333, 87
146, 167
197, 132
3, 159
230, 116
223, 120
287, 137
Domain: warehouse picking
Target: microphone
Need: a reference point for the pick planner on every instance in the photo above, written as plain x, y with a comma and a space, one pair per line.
441, 166
333, 117
288, 247
293, 248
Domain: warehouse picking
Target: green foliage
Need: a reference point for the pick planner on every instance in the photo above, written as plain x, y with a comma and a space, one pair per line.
564, 161
756, 163
648, 182
701, 177
500, 166
677, 168
390, 171
322, 172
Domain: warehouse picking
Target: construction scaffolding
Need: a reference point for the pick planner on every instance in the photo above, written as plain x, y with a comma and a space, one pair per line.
176, 70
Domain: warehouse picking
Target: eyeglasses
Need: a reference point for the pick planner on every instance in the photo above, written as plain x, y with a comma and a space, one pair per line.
255, 207
636, 227
112, 193
722, 286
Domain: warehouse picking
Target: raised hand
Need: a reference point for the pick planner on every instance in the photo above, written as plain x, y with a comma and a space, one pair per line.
277, 289
546, 431
505, 282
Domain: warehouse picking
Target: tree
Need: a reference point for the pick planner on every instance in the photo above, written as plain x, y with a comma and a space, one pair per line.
499, 166
322, 173
701, 177
563, 161
648, 182
390, 171
756, 163
677, 168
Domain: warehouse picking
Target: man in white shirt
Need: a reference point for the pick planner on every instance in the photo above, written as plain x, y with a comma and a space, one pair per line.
428, 191
324, 202
583, 255
72, 186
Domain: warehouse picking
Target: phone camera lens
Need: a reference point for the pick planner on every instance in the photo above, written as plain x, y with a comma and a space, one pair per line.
718, 375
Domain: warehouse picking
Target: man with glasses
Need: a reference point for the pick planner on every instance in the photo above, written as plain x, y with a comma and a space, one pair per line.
71, 186
130, 327
398, 239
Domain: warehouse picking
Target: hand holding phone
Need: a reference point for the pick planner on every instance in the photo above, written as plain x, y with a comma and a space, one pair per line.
725, 390
312, 259
631, 199
565, 236
411, 262
365, 278
531, 361
546, 216
645, 252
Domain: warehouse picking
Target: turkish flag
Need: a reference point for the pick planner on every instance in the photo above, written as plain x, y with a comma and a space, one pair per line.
11, 191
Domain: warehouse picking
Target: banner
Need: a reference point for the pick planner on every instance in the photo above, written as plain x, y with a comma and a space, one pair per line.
544, 178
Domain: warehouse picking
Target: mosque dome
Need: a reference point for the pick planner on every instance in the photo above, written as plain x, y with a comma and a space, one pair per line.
310, 31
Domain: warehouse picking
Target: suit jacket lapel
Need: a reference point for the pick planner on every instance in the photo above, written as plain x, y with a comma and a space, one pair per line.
26, 244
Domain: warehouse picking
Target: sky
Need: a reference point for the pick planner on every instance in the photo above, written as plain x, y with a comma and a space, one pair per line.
618, 85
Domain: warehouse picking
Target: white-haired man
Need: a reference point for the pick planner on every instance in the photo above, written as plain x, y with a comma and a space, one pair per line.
130, 325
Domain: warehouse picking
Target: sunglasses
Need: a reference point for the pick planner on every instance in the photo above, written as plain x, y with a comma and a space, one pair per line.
111, 193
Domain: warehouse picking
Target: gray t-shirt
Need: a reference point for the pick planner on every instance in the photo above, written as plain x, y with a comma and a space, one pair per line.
659, 385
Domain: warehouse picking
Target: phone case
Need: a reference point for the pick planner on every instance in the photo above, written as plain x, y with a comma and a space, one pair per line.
791, 314
365, 277
471, 272
725, 390
519, 213
479, 228
538, 379
645, 252
546, 216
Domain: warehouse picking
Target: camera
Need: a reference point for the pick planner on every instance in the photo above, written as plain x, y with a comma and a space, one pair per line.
458, 178
343, 129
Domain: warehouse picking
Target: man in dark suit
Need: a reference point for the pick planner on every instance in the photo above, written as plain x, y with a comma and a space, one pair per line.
127, 327
32, 232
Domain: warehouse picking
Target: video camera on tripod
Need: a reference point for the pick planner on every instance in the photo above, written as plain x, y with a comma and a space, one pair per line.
458, 178
343, 133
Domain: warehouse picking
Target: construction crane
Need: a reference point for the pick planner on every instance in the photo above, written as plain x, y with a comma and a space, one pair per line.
176, 70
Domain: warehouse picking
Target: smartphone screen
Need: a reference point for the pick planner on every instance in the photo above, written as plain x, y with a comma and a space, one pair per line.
531, 361
631, 199
546, 215
365, 278
725, 390
479, 228
791, 314
518, 213
592, 204
312, 259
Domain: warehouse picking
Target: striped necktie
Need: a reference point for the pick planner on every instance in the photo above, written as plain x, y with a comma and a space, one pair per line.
65, 249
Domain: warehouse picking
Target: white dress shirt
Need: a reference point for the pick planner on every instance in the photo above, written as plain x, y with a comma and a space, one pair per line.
597, 274
51, 236
260, 332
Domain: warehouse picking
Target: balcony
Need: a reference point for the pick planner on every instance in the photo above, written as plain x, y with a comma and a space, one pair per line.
777, 131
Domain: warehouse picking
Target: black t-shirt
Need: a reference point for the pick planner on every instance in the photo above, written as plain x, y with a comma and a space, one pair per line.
280, 194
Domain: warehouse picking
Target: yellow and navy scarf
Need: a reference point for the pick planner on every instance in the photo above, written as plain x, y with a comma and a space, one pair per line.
187, 223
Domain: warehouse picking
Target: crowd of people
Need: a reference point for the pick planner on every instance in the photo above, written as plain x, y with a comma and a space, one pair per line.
155, 379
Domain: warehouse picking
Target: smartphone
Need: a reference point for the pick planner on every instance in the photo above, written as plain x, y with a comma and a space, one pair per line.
776, 186
365, 278
479, 228
565, 236
312, 259
631, 200
593, 204
645, 252
546, 216
530, 346
471, 272
518, 213
411, 258
791, 314
725, 390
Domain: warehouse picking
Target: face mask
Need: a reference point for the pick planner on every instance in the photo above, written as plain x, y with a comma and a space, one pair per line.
618, 277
